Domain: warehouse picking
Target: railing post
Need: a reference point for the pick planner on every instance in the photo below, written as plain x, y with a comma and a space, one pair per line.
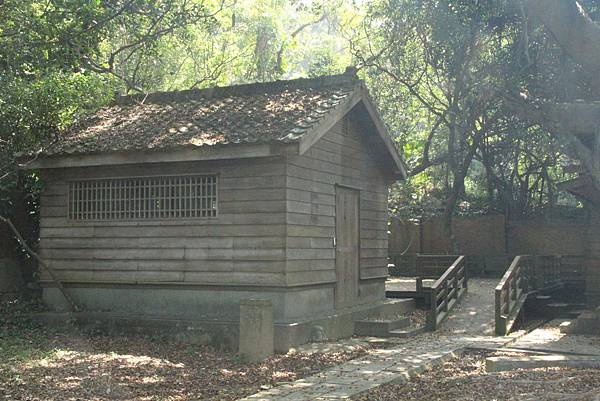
513, 288
534, 271
432, 314
465, 276
446, 295
525, 271
500, 322
455, 285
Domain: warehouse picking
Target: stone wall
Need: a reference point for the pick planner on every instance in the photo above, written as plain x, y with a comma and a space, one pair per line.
490, 235
489, 241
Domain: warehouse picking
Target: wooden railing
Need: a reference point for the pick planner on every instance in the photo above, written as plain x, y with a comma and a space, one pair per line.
445, 292
544, 271
550, 271
511, 293
527, 274
573, 271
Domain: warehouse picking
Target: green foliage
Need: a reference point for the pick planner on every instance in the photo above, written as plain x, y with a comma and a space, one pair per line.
62, 59
33, 112
38, 36
442, 73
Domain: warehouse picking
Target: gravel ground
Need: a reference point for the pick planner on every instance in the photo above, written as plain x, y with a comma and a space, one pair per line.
465, 378
67, 364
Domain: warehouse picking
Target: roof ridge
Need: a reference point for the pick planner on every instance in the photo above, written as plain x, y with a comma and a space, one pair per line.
348, 78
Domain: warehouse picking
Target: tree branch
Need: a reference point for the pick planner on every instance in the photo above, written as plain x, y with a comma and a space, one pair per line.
41, 262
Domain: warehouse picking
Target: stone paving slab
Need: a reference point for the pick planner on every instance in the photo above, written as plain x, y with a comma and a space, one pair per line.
549, 338
467, 326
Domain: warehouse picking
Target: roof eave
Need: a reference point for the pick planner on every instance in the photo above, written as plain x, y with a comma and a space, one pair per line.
402, 171
199, 153
360, 94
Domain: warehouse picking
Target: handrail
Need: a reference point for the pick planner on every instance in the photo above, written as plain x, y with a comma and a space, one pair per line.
528, 274
445, 292
510, 294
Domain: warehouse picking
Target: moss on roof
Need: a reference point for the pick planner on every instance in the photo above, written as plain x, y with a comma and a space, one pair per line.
280, 111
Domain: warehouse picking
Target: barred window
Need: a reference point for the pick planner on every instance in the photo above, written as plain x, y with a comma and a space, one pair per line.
164, 197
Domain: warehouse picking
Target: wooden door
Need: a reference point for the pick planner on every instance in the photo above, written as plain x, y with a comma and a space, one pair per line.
346, 246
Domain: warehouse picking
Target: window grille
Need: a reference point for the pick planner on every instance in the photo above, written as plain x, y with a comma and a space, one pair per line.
167, 197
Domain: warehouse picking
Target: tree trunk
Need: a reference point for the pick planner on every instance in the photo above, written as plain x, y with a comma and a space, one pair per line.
573, 29
41, 262
458, 186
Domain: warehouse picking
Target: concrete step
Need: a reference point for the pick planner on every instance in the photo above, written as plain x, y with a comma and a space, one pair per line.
587, 324
405, 333
547, 306
399, 306
561, 309
574, 314
504, 363
379, 327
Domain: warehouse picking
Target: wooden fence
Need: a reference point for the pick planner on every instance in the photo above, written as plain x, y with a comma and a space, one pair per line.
419, 265
445, 292
433, 266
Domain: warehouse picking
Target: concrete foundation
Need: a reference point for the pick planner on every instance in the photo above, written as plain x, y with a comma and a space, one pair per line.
192, 302
225, 332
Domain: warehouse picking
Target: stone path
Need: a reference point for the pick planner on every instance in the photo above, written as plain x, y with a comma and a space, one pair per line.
549, 338
467, 326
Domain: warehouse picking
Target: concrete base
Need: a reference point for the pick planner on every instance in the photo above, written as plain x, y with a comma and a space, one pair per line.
198, 302
225, 333
501, 364
587, 323
191, 302
256, 330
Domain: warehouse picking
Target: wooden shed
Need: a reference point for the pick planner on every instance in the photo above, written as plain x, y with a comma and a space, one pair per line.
179, 205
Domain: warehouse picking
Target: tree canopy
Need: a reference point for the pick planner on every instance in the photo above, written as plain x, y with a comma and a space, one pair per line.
465, 87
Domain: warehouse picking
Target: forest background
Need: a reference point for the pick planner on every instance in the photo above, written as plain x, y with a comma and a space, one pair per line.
457, 82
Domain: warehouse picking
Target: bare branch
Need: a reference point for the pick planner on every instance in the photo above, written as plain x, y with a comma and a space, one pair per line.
41, 262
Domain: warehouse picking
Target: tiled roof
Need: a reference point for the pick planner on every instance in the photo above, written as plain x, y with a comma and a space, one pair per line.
280, 111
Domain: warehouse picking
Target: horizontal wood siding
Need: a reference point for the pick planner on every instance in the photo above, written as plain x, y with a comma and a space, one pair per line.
343, 158
244, 245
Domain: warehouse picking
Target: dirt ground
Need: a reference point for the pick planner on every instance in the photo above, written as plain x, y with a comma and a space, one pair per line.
68, 364
465, 378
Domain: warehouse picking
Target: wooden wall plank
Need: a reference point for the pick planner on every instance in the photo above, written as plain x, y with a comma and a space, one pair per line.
248, 235
337, 158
